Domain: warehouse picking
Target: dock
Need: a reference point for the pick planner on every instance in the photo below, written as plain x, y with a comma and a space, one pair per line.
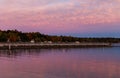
50, 45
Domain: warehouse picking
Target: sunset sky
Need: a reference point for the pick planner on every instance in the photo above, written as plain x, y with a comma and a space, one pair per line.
82, 18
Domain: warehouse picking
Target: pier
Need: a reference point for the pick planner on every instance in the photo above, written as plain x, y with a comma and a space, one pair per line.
50, 45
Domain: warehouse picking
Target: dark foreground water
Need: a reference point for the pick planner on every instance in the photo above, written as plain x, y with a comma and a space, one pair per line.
61, 63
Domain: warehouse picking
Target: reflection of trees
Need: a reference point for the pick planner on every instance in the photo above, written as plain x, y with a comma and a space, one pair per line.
30, 52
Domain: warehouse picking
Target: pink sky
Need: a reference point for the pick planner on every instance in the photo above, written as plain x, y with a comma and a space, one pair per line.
73, 17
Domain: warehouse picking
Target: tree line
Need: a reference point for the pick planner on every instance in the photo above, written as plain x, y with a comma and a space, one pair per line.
18, 36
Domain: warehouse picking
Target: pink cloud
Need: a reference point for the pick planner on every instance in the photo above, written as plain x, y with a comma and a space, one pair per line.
58, 15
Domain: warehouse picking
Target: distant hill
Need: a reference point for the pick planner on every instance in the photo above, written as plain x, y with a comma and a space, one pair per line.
18, 36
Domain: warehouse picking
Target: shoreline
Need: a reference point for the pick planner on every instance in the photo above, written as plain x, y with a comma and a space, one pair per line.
10, 46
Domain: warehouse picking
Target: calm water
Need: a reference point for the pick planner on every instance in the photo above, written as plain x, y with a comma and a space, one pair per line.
61, 63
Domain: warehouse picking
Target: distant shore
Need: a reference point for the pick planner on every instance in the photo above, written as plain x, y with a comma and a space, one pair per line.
10, 46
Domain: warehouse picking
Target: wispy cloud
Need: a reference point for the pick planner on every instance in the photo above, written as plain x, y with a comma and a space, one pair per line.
59, 14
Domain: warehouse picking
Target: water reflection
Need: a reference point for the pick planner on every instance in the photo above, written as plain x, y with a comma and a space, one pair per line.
60, 63
29, 52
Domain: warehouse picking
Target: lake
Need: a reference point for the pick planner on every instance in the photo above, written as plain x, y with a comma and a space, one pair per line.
61, 63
